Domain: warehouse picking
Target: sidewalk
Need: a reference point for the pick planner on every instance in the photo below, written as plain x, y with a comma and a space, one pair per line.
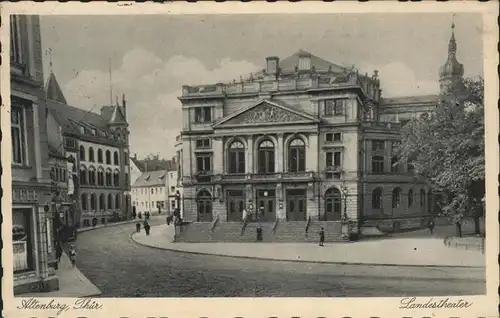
72, 283
389, 252
100, 226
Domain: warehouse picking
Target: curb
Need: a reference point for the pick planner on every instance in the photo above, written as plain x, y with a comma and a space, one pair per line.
86, 229
297, 261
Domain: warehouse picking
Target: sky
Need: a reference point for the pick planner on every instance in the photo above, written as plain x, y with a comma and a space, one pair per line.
152, 56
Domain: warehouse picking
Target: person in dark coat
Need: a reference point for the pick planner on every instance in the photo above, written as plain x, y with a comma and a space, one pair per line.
259, 233
321, 236
431, 225
140, 215
147, 227
134, 214
138, 226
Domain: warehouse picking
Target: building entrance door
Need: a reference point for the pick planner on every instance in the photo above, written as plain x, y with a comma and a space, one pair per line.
235, 205
296, 205
266, 205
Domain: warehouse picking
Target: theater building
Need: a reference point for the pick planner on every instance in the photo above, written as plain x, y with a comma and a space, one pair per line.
32, 214
303, 140
99, 146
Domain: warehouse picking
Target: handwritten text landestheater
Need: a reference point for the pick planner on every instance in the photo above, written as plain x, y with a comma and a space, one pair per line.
412, 303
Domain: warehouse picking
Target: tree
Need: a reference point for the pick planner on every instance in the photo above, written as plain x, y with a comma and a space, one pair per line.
446, 147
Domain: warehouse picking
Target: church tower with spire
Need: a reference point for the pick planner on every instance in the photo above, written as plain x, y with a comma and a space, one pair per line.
451, 73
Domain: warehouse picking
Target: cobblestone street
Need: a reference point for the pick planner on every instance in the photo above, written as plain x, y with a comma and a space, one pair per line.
121, 268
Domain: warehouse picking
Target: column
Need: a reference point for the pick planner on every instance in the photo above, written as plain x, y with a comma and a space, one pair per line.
249, 155
312, 153
280, 198
218, 156
36, 130
279, 154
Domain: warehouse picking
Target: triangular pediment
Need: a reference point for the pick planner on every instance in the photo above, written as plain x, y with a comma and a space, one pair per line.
266, 112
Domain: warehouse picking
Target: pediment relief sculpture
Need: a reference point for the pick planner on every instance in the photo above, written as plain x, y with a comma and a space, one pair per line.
265, 113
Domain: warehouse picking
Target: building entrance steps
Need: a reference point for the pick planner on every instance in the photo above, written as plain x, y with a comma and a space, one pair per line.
390, 252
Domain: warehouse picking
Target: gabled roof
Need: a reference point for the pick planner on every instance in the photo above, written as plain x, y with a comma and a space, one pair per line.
117, 117
53, 90
266, 112
67, 116
151, 178
137, 163
290, 62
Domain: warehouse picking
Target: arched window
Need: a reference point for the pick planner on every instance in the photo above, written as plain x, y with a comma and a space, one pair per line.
82, 153
117, 202
100, 177
115, 158
93, 202
108, 157
99, 156
236, 154
109, 177
110, 202
102, 202
377, 198
83, 175
91, 154
410, 198
84, 202
266, 157
396, 198
92, 176
422, 198
333, 204
297, 156
204, 205
116, 178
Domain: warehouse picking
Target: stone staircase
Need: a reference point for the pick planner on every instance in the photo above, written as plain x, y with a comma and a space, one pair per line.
282, 231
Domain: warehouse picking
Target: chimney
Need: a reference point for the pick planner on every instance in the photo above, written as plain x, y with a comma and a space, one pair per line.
272, 65
304, 61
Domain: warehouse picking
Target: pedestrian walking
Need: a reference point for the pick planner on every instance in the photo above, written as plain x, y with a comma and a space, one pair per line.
59, 251
147, 227
72, 254
138, 227
259, 233
134, 214
431, 226
321, 236
169, 219
140, 215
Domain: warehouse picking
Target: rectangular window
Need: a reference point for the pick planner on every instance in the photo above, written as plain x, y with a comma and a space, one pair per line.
378, 145
18, 122
333, 137
22, 240
16, 54
334, 159
203, 114
378, 164
203, 163
334, 107
203, 143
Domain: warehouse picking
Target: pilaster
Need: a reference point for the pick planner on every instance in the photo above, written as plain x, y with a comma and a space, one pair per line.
312, 153
249, 155
218, 155
279, 154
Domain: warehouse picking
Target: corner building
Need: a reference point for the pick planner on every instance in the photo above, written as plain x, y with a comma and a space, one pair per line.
303, 140
98, 144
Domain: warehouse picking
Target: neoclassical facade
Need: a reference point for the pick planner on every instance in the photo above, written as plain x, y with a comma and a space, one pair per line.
304, 139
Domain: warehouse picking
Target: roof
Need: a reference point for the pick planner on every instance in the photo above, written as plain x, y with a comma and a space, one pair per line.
53, 90
67, 116
117, 117
151, 178
409, 100
137, 163
318, 63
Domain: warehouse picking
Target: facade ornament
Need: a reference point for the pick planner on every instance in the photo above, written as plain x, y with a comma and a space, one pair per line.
265, 113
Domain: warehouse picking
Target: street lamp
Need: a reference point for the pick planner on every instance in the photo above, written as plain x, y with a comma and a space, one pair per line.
345, 193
